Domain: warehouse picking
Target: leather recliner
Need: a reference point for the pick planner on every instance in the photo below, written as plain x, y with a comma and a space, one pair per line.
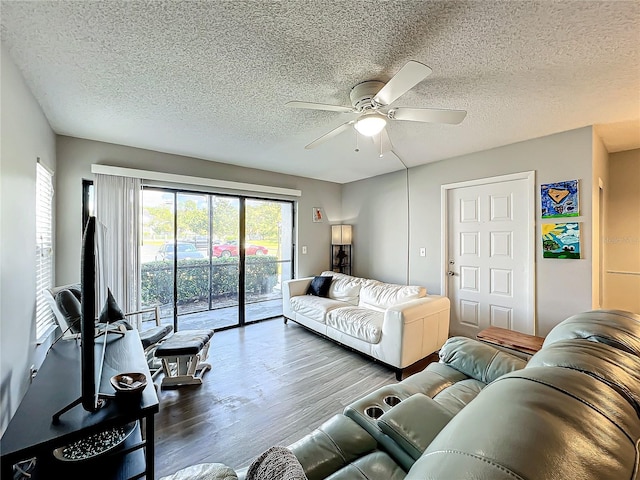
573, 411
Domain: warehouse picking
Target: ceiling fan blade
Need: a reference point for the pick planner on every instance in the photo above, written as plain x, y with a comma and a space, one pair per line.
320, 106
331, 134
429, 115
382, 142
407, 77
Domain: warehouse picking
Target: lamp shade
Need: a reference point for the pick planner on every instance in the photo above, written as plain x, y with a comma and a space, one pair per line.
341, 234
370, 124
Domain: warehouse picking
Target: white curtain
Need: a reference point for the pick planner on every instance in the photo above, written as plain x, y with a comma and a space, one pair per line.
118, 231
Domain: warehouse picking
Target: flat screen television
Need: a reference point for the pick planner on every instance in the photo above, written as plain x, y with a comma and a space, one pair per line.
91, 351
90, 368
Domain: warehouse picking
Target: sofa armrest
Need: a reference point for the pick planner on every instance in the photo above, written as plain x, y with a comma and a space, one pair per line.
414, 329
414, 423
297, 286
156, 316
418, 308
293, 288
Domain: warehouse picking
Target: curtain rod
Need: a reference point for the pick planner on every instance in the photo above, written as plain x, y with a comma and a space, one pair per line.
189, 180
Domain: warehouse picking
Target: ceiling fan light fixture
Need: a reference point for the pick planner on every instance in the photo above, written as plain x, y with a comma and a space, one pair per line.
370, 124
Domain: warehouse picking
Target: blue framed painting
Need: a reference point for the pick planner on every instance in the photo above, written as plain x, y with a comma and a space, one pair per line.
559, 199
561, 240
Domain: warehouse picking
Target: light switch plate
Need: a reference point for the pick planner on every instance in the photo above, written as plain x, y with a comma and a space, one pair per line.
423, 252
304, 249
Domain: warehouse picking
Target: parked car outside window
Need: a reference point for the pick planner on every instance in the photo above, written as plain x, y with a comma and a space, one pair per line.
185, 250
230, 249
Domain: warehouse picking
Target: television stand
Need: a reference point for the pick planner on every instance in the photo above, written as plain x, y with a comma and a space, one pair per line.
101, 398
31, 432
101, 402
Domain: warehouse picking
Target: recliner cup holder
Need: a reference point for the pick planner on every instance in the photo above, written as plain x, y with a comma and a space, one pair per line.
392, 400
373, 412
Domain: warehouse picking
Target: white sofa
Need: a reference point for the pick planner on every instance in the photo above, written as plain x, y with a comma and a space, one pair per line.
395, 324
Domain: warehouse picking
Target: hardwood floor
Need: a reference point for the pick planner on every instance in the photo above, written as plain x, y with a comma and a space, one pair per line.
270, 384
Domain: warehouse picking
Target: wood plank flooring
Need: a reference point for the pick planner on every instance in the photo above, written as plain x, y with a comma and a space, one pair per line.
270, 384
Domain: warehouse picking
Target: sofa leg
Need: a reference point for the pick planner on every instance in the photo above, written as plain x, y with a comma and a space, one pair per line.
398, 374
285, 320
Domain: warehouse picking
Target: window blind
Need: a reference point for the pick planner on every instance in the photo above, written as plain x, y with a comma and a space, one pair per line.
44, 250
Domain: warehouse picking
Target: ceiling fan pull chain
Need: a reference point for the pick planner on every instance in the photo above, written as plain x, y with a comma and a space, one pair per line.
356, 132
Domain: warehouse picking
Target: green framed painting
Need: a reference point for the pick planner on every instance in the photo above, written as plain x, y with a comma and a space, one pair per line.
561, 240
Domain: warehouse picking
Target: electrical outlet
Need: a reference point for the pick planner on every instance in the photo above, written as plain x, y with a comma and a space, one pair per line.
32, 373
423, 252
304, 249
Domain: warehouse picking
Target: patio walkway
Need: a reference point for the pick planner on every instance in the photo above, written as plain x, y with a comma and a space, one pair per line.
224, 317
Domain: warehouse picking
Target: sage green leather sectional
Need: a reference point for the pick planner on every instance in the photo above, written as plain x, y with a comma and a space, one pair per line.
571, 412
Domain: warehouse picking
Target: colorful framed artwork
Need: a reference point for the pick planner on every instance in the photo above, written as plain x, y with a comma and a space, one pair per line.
559, 199
317, 215
561, 240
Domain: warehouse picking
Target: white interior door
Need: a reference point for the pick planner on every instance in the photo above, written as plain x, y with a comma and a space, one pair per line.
490, 254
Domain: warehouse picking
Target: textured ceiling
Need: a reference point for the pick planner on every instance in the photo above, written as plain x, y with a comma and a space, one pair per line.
210, 79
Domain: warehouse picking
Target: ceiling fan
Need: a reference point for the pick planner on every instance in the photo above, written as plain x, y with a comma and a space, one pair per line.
371, 99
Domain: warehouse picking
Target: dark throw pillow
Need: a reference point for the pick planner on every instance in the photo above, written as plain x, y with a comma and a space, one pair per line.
319, 286
69, 306
111, 311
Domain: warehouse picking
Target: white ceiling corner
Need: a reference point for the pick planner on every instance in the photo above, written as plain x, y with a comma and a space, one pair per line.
210, 79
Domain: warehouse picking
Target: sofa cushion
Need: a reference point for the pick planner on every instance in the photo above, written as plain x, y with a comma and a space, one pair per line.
361, 323
380, 296
617, 328
433, 379
458, 395
331, 446
610, 365
319, 286
375, 465
315, 308
346, 289
537, 423
76, 291
69, 306
478, 360
153, 335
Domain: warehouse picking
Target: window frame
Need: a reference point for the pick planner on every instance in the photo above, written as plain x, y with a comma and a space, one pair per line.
45, 321
87, 201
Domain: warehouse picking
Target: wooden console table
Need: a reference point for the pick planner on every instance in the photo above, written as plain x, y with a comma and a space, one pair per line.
31, 432
514, 342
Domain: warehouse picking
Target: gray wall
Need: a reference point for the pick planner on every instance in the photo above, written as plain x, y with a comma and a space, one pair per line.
75, 157
563, 286
377, 209
25, 135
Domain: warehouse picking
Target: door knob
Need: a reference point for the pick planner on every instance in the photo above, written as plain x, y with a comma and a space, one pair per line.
451, 274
